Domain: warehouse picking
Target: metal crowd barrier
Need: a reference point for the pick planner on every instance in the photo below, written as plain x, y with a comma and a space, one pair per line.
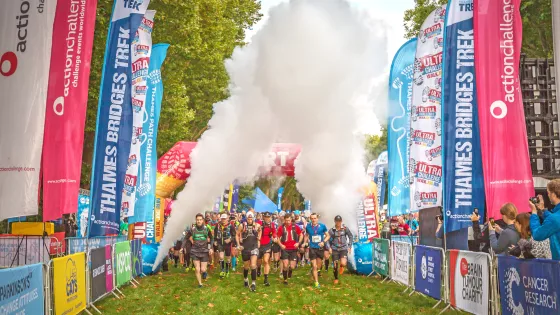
80, 244
442, 275
391, 265
23, 250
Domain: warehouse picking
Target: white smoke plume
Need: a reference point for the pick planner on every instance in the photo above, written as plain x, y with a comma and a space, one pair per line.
301, 78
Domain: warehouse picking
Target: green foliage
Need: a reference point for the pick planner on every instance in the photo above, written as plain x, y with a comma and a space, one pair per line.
537, 24
374, 145
202, 34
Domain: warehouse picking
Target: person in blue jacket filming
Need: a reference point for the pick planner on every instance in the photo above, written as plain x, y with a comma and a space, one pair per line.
546, 224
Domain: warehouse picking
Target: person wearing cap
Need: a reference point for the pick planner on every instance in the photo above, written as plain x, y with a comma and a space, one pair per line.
223, 235
268, 236
341, 244
317, 234
248, 239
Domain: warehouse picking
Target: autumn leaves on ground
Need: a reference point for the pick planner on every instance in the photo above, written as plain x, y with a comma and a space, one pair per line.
175, 292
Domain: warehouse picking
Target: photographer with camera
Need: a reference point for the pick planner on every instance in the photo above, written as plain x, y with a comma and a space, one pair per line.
480, 241
509, 235
550, 226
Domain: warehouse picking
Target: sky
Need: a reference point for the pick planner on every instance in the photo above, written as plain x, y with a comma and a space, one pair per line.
389, 11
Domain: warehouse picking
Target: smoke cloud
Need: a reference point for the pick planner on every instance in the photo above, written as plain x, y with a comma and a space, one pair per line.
303, 78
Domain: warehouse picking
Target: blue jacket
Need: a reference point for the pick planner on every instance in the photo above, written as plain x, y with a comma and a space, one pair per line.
550, 228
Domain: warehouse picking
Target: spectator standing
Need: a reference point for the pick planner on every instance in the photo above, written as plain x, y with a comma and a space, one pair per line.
527, 247
413, 224
509, 235
550, 226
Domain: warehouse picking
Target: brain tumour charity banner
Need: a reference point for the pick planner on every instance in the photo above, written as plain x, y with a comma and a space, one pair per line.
400, 102
497, 34
469, 281
528, 286
141, 52
113, 133
146, 185
25, 53
425, 127
66, 106
461, 140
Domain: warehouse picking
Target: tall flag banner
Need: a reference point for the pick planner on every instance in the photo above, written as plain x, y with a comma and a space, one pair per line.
217, 204
83, 213
464, 184
146, 185
425, 114
234, 197
503, 137
157, 221
113, 133
379, 178
141, 52
398, 144
67, 97
279, 199
230, 197
225, 200
25, 53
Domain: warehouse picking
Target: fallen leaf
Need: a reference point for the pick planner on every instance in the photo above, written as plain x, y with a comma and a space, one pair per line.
210, 305
359, 301
261, 307
239, 311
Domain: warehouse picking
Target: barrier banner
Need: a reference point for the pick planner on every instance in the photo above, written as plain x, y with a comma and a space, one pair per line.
427, 278
146, 186
461, 140
371, 211
67, 97
379, 178
498, 35
137, 231
136, 257
16, 251
123, 270
83, 214
528, 286
363, 258
58, 243
69, 284
98, 273
381, 256
113, 132
425, 114
400, 265
22, 290
25, 51
141, 52
78, 244
469, 281
158, 221
108, 268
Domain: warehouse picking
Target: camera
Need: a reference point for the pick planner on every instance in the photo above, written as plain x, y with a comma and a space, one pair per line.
534, 200
476, 211
440, 216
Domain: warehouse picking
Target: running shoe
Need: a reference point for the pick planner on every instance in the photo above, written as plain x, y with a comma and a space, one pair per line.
187, 269
222, 274
319, 273
341, 270
200, 286
227, 274
285, 282
317, 285
253, 288
204, 275
246, 284
266, 283
336, 281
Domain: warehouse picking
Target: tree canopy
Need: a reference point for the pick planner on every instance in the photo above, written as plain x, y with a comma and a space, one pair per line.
537, 24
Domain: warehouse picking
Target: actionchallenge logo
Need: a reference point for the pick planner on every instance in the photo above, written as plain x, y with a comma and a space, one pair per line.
9, 59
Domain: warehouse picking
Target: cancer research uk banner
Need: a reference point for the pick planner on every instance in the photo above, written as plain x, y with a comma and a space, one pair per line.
461, 140
146, 185
66, 106
400, 102
114, 119
527, 286
141, 52
427, 276
469, 281
25, 51
400, 264
21, 290
497, 33
425, 128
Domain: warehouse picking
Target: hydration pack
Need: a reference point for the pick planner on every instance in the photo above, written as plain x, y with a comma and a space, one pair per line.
284, 237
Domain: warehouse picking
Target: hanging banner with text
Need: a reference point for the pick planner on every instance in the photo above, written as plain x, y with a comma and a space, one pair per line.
461, 141
67, 98
398, 133
83, 214
381, 256
528, 286
123, 270
141, 52
22, 290
69, 284
425, 127
113, 133
136, 257
25, 53
427, 278
469, 281
98, 273
498, 36
400, 265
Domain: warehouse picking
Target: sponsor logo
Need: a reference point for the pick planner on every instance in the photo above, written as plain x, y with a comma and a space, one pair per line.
423, 112
438, 126
432, 95
430, 32
428, 174
132, 160
71, 274
439, 14
466, 5
425, 198
511, 277
430, 65
132, 4
137, 105
140, 90
141, 49
420, 137
146, 25
129, 184
433, 153
424, 267
9, 59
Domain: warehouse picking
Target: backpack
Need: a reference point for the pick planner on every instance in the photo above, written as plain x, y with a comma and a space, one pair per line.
338, 235
245, 233
195, 231
284, 237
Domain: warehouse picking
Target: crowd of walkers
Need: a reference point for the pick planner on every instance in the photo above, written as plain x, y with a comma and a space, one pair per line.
265, 242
